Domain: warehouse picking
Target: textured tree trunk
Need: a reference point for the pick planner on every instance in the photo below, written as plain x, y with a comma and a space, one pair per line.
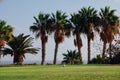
110, 45
15, 59
89, 56
55, 54
104, 48
18, 59
0, 54
43, 52
79, 45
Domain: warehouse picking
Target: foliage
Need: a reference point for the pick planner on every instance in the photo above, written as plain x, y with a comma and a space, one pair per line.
115, 53
115, 59
71, 57
97, 60
6, 32
41, 25
86, 21
19, 46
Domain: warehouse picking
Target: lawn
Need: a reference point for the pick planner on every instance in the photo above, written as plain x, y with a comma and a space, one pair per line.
57, 72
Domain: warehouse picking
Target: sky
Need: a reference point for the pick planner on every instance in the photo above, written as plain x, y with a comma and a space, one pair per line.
19, 14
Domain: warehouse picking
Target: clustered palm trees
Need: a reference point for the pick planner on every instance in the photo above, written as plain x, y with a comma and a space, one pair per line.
85, 21
5, 34
18, 45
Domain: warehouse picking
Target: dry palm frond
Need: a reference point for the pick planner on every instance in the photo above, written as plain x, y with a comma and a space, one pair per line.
75, 42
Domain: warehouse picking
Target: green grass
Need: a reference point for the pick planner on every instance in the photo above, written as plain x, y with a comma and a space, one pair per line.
57, 72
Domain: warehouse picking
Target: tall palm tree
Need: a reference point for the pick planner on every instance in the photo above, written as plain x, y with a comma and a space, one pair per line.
87, 17
6, 32
58, 23
109, 27
40, 28
75, 22
19, 46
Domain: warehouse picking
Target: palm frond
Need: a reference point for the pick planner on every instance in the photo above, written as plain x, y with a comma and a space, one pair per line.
7, 51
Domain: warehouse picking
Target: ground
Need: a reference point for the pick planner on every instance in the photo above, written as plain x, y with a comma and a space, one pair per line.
58, 72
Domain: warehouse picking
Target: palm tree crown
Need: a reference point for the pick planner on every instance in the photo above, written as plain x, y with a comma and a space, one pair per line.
41, 25
19, 46
5, 33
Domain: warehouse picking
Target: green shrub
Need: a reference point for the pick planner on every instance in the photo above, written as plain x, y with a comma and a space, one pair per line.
97, 60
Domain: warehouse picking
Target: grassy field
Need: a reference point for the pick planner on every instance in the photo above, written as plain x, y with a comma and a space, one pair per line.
57, 72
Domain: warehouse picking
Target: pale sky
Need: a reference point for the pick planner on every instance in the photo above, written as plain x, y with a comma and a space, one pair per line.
19, 14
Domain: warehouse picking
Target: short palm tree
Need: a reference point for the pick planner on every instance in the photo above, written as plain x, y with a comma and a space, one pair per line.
87, 21
59, 20
77, 30
6, 32
40, 28
109, 27
70, 56
19, 46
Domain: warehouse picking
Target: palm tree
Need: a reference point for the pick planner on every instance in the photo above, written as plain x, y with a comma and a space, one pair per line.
70, 56
58, 23
40, 28
109, 28
6, 32
87, 17
19, 46
75, 22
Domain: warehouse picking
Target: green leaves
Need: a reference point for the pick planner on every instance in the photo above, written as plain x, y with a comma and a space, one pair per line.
41, 24
6, 32
108, 16
20, 45
70, 56
59, 19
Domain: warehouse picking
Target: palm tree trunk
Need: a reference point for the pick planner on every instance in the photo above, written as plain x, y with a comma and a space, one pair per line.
55, 54
0, 53
15, 59
80, 55
104, 48
18, 59
43, 52
89, 56
110, 45
79, 45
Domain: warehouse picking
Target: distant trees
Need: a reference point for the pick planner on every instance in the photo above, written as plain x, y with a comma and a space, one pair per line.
86, 21
113, 53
